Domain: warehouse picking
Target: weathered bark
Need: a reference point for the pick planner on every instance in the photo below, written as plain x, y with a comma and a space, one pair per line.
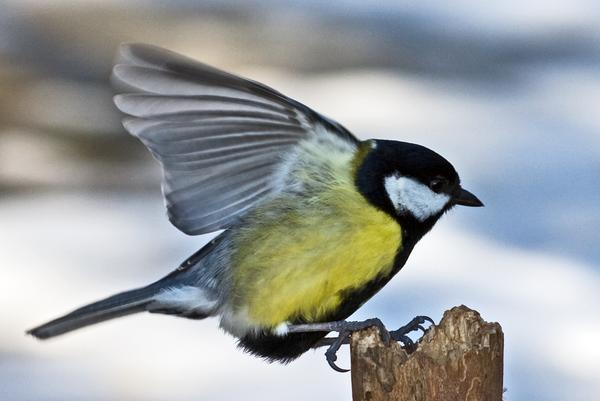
459, 359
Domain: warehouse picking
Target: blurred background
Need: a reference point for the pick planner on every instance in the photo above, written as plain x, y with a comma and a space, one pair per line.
508, 91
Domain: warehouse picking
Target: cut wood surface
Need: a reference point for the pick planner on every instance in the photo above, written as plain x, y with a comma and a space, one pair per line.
461, 358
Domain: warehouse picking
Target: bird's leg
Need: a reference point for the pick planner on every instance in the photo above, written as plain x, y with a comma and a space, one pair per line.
344, 329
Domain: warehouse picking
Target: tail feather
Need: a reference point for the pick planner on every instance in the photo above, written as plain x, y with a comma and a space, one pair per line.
118, 305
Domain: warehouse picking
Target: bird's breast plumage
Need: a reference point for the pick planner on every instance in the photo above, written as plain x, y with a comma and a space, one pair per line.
298, 255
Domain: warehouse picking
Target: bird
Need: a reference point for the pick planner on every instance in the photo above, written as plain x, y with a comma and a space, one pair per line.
313, 221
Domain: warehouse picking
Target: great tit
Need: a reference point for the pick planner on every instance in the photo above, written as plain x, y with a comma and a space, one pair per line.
315, 221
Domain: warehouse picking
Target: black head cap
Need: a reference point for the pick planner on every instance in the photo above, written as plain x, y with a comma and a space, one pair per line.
401, 159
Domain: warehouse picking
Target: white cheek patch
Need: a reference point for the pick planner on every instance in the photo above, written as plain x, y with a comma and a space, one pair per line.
409, 195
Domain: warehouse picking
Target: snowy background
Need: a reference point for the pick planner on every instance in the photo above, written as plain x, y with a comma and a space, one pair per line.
508, 91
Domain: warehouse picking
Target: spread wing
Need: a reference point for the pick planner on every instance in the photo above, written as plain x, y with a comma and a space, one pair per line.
219, 138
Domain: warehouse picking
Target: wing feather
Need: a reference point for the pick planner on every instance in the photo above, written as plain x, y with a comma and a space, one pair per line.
220, 138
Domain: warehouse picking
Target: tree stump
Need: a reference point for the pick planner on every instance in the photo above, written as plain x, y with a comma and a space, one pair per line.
459, 359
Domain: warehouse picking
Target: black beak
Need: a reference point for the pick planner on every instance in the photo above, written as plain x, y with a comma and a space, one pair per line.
465, 198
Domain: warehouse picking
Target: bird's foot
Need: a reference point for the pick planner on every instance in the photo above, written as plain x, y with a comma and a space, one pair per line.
345, 329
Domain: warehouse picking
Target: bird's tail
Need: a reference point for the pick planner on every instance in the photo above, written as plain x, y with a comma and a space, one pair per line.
180, 293
118, 305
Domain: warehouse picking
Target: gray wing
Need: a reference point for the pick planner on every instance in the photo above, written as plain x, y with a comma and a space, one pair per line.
219, 137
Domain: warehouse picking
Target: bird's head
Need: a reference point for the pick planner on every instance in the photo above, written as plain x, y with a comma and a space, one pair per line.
410, 182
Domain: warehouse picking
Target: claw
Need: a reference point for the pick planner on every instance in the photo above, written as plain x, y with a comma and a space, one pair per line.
331, 358
336, 367
384, 334
331, 353
414, 325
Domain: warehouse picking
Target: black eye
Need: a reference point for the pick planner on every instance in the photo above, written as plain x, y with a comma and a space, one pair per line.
438, 184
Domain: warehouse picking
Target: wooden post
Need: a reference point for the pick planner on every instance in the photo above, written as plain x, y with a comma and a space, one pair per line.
459, 359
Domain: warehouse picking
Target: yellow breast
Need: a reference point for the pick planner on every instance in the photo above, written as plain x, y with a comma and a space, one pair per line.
298, 257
